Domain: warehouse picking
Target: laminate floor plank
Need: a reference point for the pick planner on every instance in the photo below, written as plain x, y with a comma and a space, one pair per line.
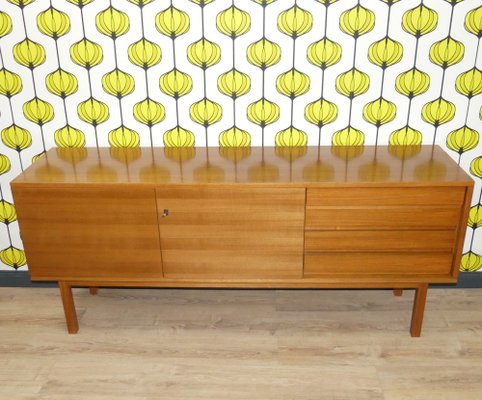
146, 344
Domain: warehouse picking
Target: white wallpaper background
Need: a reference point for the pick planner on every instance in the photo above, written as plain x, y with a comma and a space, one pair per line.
128, 73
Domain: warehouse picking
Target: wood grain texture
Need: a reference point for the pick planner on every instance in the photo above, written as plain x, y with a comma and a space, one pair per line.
379, 240
374, 217
231, 233
141, 344
69, 307
418, 310
382, 263
330, 166
392, 218
389, 196
89, 233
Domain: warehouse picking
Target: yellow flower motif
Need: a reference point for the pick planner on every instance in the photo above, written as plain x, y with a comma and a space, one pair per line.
118, 83
327, 3
13, 257
264, 53
172, 22
4, 164
470, 262
293, 83
475, 217
234, 83
61, 83
205, 112
291, 137
419, 21
10, 83
5, 24
144, 53
123, 137
324, 53
80, 3
53, 23
352, 83
233, 22
86, 53
264, 3
473, 21
16, 138
469, 83
175, 83
438, 112
178, 137
149, 112
295, 22
141, 3
234, 137
203, 53
7, 212
38, 111
405, 136
476, 167
69, 137
357, 21
348, 136
93, 111
112, 22
321, 112
385, 52
446, 52
263, 112
462, 139
202, 3
21, 3
29, 54
379, 112
412, 83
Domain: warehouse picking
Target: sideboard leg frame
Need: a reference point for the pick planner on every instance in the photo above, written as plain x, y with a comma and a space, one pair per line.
93, 290
69, 307
397, 292
418, 309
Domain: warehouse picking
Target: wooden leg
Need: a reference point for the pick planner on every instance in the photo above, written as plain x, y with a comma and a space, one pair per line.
418, 309
69, 307
93, 290
397, 292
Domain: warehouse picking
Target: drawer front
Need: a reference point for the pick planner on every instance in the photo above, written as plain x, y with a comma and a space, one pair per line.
332, 218
377, 263
361, 241
391, 196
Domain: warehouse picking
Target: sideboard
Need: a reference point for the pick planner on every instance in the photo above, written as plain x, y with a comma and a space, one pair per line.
305, 217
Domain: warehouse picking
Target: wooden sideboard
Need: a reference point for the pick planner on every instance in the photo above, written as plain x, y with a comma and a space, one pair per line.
310, 217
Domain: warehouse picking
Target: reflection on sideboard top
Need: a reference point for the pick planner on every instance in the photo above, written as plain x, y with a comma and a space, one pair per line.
302, 165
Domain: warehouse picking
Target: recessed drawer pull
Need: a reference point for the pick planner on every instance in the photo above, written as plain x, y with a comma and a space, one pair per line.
165, 213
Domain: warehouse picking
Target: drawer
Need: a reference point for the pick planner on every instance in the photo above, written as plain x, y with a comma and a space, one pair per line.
366, 218
386, 196
359, 263
362, 241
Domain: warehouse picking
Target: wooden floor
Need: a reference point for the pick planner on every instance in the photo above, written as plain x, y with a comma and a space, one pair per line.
240, 344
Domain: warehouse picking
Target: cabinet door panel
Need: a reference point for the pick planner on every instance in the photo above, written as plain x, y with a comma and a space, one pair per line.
231, 232
89, 233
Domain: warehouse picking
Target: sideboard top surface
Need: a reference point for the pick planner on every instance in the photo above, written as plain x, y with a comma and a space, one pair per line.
365, 165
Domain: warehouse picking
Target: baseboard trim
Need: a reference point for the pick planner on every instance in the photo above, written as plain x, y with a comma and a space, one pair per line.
467, 280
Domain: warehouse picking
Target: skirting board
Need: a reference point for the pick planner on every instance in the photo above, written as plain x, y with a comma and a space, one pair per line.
467, 280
